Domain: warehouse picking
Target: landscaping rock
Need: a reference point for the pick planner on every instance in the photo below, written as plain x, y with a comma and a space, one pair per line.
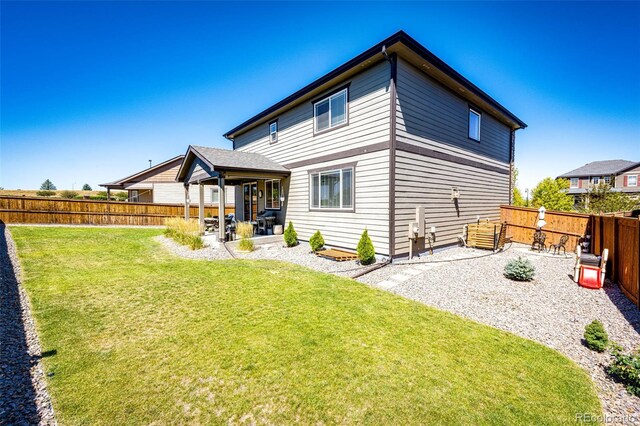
24, 399
551, 309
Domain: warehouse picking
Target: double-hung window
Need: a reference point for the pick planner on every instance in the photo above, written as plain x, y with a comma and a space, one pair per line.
272, 190
574, 182
330, 111
331, 189
475, 119
215, 195
607, 180
632, 180
135, 196
596, 180
273, 132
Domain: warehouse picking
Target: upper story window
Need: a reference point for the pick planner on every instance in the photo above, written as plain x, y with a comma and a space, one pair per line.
332, 189
475, 118
596, 180
272, 190
273, 132
575, 182
330, 111
607, 180
632, 180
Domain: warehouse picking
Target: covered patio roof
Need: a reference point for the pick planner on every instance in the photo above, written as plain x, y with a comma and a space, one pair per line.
203, 164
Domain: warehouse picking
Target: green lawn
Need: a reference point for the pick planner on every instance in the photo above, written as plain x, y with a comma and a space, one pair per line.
143, 337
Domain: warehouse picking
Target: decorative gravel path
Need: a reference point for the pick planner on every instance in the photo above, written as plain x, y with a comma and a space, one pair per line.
24, 399
552, 309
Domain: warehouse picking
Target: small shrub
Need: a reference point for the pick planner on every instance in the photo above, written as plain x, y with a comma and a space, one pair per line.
595, 336
290, 236
519, 270
625, 369
245, 244
45, 193
316, 241
185, 232
68, 194
366, 252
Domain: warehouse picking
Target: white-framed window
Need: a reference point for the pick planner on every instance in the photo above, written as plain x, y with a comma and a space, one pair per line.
331, 189
596, 180
215, 195
330, 111
475, 119
272, 194
575, 182
632, 180
607, 180
273, 132
135, 196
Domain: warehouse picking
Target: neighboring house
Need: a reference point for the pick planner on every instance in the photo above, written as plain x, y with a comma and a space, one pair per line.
361, 147
158, 184
621, 175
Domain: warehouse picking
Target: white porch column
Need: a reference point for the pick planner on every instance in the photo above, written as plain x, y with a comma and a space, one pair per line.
221, 199
186, 202
201, 205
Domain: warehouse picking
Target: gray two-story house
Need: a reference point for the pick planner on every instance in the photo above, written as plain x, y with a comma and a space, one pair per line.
620, 175
361, 147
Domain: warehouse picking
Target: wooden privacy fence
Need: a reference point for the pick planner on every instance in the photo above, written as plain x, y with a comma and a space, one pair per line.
621, 235
522, 224
90, 212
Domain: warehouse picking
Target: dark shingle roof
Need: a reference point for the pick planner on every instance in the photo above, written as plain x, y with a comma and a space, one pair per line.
237, 160
600, 168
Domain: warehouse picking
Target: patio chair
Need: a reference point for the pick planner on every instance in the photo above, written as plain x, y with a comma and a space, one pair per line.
538, 241
560, 245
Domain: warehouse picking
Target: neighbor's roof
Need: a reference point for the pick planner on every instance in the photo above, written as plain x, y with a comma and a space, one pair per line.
599, 168
219, 159
138, 176
406, 47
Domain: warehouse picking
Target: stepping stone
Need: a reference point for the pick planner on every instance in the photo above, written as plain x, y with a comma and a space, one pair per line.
386, 284
399, 277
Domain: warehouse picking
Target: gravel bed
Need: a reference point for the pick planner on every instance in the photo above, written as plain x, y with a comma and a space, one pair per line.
552, 309
302, 255
211, 251
24, 399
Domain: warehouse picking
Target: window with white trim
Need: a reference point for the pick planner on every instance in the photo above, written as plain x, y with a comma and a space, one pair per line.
215, 195
272, 194
273, 132
575, 182
135, 196
330, 111
607, 180
475, 118
632, 180
331, 189
596, 180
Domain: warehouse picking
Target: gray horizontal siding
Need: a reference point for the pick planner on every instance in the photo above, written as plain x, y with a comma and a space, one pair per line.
343, 229
369, 120
426, 181
436, 117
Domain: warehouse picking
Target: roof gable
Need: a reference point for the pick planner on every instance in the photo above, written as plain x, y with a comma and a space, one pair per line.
144, 174
401, 44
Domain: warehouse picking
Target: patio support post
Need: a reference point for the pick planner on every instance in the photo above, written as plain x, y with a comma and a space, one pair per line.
186, 202
221, 199
108, 194
201, 205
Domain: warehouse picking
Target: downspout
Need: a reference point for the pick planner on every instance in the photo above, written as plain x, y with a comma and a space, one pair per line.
512, 149
393, 61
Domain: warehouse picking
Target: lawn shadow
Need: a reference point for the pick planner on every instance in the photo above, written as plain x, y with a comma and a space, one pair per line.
17, 394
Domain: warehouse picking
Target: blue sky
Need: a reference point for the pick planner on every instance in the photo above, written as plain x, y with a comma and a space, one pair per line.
90, 91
